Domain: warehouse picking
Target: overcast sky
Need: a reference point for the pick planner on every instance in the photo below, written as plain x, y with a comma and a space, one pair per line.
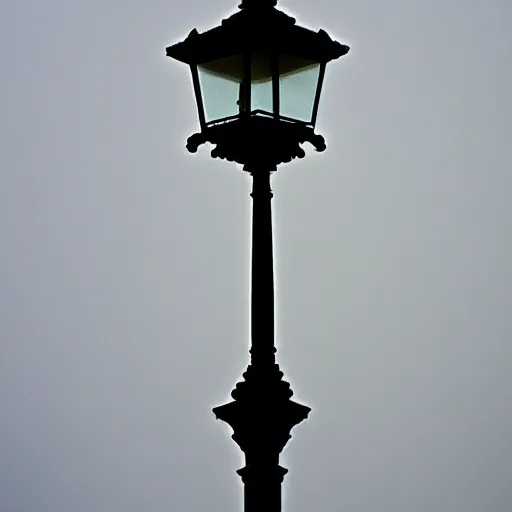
124, 264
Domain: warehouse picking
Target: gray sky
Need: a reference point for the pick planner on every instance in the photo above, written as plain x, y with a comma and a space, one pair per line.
125, 262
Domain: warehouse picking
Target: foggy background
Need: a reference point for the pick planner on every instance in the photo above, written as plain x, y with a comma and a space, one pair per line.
124, 264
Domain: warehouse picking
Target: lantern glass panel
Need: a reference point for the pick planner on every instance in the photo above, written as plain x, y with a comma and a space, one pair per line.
298, 82
220, 82
261, 82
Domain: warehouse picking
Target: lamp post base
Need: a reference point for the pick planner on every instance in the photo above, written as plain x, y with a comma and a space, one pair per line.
262, 417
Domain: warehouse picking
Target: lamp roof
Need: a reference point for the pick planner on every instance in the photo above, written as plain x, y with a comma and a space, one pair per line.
259, 25
257, 3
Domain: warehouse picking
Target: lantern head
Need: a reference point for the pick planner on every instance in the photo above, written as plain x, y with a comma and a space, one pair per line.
257, 80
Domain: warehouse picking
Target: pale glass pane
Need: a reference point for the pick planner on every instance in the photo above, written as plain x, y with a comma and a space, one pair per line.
261, 82
220, 86
298, 80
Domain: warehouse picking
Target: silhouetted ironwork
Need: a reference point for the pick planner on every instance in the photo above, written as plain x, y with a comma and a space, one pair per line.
262, 414
257, 140
258, 37
258, 28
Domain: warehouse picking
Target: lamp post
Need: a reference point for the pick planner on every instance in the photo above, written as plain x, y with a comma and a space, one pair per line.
257, 80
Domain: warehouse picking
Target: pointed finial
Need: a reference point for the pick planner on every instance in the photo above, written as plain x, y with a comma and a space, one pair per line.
257, 3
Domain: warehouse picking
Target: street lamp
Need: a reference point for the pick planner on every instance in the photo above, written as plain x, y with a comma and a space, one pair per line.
257, 80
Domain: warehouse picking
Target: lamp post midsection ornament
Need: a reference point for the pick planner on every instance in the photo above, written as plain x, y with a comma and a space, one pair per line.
257, 79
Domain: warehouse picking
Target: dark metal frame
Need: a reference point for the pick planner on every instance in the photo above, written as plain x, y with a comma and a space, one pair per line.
319, 85
198, 95
276, 85
263, 113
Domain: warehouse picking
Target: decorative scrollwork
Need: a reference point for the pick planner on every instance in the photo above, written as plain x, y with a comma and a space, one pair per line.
257, 141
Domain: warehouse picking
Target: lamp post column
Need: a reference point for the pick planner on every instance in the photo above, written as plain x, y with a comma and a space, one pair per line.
262, 279
262, 414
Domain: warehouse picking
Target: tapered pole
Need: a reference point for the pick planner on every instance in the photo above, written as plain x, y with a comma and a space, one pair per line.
262, 279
